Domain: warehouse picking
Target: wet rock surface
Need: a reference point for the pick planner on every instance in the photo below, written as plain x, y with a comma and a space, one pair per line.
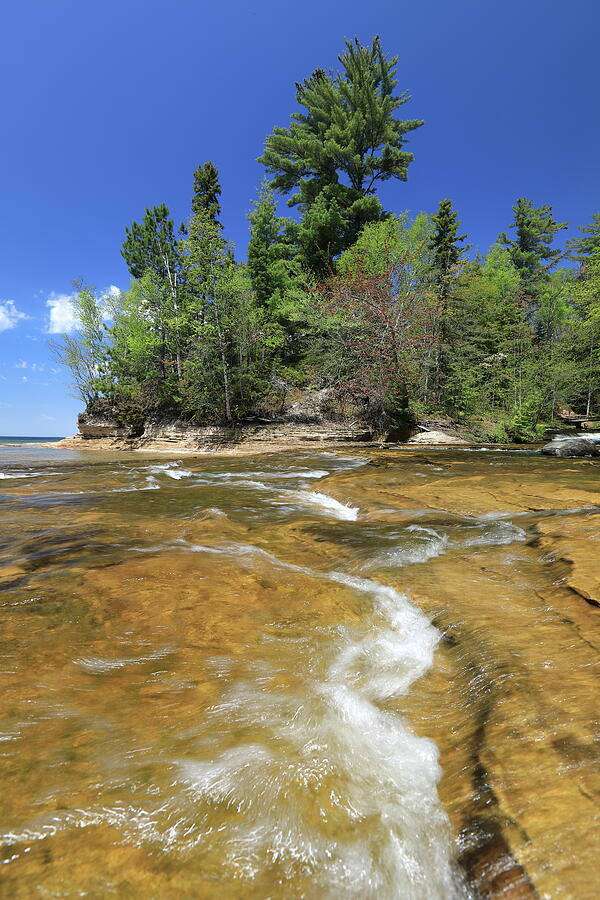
571, 447
173, 612
518, 730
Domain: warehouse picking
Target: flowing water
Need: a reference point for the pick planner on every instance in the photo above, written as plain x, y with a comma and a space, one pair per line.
300, 675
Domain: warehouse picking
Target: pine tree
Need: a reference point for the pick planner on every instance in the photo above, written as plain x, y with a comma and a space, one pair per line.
270, 247
586, 338
336, 152
151, 246
207, 191
531, 251
582, 248
444, 243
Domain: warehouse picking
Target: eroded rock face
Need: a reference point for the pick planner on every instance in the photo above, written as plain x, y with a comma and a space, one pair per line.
165, 433
99, 426
571, 447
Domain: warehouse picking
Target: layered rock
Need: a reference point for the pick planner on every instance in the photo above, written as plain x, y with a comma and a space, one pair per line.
103, 431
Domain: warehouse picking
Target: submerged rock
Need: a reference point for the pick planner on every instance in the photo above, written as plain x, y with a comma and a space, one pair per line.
568, 447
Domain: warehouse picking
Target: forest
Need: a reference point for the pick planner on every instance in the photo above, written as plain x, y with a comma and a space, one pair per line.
390, 312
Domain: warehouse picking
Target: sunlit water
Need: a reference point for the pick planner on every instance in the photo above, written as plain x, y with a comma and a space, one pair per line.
209, 670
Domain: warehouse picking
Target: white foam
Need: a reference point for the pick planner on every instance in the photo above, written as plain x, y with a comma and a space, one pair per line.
359, 764
295, 473
492, 450
422, 544
500, 534
329, 505
178, 473
98, 665
318, 781
171, 469
28, 474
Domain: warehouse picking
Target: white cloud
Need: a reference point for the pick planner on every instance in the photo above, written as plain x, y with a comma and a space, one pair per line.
24, 378
10, 315
63, 317
48, 418
22, 364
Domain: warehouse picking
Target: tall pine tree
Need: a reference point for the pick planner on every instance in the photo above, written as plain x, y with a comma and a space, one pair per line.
531, 250
335, 153
152, 248
444, 244
270, 247
151, 245
207, 191
582, 247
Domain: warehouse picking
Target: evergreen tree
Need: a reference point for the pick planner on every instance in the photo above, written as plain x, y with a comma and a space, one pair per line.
490, 340
270, 248
227, 359
336, 152
152, 248
444, 243
531, 250
585, 336
445, 256
207, 191
581, 248
151, 245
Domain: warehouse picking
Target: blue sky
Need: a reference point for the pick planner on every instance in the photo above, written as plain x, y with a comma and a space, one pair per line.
108, 107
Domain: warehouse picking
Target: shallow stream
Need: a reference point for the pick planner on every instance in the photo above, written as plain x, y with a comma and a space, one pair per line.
319, 674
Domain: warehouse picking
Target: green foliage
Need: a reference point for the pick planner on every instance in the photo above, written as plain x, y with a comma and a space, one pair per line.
525, 424
137, 343
383, 311
346, 140
207, 191
444, 243
582, 248
85, 355
151, 245
271, 252
489, 337
531, 250
396, 242
583, 336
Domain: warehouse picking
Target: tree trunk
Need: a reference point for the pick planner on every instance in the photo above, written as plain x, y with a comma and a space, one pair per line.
223, 363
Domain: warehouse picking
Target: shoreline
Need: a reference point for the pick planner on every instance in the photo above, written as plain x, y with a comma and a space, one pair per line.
246, 446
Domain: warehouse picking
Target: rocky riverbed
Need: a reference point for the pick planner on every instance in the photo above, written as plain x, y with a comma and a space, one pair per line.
358, 673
